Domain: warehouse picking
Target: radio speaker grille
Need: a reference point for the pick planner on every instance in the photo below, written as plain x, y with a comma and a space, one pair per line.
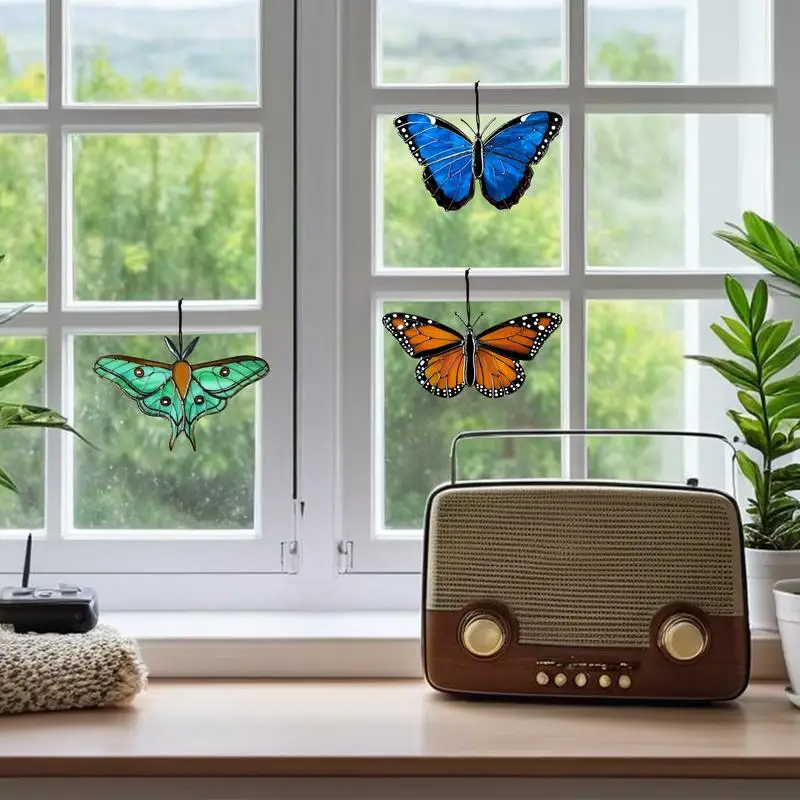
584, 566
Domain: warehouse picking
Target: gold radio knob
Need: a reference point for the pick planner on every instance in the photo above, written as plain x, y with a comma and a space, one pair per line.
605, 681
683, 637
581, 679
624, 682
542, 678
483, 636
560, 679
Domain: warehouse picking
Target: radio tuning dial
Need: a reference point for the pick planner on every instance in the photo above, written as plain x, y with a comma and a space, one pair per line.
483, 636
683, 637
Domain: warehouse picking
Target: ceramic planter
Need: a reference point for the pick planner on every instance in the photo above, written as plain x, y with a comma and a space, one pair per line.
787, 606
764, 569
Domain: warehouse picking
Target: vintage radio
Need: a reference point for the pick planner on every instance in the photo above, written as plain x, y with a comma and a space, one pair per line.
587, 589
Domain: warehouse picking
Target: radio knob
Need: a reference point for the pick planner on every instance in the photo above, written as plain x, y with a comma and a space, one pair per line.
560, 679
581, 679
605, 681
542, 678
624, 682
483, 636
683, 637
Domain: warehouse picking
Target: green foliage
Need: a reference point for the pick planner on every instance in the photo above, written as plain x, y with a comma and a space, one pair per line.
767, 245
22, 415
769, 418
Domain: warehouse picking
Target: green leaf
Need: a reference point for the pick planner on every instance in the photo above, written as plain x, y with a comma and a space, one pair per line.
741, 332
738, 299
751, 404
782, 386
781, 359
786, 479
751, 429
771, 337
787, 448
772, 239
758, 306
6, 482
775, 404
757, 254
15, 366
751, 471
13, 313
732, 343
735, 373
787, 412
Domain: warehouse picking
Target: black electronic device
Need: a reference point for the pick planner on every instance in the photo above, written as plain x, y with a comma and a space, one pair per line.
50, 609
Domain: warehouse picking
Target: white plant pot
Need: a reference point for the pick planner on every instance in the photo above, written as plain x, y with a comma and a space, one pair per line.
787, 606
764, 569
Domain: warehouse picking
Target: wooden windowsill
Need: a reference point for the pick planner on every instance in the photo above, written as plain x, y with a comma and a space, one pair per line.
398, 728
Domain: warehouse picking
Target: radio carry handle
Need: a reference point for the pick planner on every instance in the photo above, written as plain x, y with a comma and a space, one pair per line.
533, 432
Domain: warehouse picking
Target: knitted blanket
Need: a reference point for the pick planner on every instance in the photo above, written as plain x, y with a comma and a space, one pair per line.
55, 672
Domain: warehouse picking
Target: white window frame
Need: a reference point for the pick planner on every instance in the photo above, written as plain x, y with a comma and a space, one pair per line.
363, 287
170, 568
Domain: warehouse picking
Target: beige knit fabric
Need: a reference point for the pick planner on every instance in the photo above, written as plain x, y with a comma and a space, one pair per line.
56, 672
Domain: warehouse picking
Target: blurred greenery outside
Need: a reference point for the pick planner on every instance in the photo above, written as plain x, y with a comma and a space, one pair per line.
163, 216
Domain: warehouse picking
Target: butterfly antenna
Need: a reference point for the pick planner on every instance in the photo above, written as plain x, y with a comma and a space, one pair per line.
491, 122
477, 110
474, 132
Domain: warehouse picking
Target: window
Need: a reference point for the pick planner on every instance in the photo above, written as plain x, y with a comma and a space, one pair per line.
240, 154
147, 150
668, 111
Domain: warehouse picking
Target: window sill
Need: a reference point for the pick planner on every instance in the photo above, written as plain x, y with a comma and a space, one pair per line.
296, 644
206, 729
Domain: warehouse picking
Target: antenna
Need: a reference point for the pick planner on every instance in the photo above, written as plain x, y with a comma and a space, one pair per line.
477, 110
26, 566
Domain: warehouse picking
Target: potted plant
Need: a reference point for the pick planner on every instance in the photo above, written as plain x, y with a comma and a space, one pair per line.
23, 415
769, 423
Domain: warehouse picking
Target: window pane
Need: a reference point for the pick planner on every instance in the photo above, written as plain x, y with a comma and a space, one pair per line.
22, 51
178, 219
419, 427
708, 42
659, 185
639, 378
135, 482
462, 41
23, 209
22, 450
418, 233
164, 51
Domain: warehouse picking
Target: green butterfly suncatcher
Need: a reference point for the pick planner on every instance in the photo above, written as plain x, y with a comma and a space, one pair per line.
181, 392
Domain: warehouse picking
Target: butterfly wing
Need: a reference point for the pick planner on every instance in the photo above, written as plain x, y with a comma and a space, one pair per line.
499, 350
522, 337
213, 383
419, 335
445, 153
444, 374
149, 383
509, 152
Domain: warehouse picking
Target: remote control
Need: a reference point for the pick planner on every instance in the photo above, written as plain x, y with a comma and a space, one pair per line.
59, 609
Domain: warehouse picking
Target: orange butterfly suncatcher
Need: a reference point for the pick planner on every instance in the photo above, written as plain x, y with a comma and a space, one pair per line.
489, 361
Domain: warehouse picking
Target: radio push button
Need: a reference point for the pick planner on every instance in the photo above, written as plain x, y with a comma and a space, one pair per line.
483, 636
683, 637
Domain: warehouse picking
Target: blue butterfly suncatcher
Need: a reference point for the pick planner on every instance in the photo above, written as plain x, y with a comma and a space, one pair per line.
500, 162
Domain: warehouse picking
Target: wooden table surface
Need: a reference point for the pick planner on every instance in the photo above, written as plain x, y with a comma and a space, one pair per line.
398, 728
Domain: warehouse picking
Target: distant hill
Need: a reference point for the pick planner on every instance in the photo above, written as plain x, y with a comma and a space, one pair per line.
216, 45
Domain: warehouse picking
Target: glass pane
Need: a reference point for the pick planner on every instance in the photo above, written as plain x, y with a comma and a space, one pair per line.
22, 51
659, 185
639, 378
212, 488
177, 220
463, 41
22, 450
164, 51
418, 427
418, 233
671, 41
23, 213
